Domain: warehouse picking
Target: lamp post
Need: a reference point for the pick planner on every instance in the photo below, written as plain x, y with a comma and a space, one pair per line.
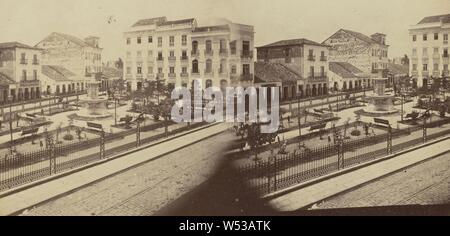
10, 99
298, 117
115, 107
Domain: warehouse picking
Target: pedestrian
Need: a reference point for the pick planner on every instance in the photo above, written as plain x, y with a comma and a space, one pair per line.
41, 144
329, 139
289, 119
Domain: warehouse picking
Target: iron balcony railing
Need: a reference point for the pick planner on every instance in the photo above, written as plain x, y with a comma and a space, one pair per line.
209, 52
184, 58
246, 77
246, 54
208, 73
195, 53
223, 52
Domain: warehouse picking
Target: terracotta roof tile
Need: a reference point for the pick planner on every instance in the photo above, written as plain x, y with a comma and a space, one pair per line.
274, 72
16, 45
291, 42
57, 73
344, 69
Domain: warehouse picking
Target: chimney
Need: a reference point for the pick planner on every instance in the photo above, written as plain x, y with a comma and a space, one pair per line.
380, 38
92, 40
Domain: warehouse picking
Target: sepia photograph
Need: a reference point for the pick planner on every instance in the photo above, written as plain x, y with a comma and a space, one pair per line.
224, 108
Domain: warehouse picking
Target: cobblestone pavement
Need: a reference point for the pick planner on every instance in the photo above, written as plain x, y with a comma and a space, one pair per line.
423, 184
145, 189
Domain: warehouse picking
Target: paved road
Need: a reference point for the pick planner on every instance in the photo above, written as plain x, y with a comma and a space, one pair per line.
326, 189
145, 189
424, 184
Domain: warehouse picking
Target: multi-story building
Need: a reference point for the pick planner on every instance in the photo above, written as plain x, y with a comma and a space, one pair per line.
180, 51
306, 58
20, 71
81, 57
369, 54
429, 57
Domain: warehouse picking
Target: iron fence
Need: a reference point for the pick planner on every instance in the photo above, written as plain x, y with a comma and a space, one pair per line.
284, 170
21, 168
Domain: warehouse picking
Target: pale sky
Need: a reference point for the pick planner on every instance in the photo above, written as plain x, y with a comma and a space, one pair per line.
29, 21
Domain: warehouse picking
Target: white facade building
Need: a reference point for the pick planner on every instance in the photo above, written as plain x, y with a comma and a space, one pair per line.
429, 57
218, 52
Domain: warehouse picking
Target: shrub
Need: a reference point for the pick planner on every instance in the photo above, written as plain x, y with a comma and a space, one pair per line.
68, 137
355, 132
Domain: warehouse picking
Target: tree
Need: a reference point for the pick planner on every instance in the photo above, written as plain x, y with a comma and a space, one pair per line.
165, 109
405, 60
119, 63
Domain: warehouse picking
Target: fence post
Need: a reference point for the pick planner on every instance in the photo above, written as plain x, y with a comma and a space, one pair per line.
271, 169
102, 144
424, 129
52, 158
138, 134
340, 151
389, 141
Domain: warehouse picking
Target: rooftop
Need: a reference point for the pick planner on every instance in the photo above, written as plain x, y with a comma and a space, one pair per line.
397, 69
5, 79
16, 45
161, 21
435, 19
361, 36
344, 69
274, 72
212, 28
57, 73
74, 39
293, 42
111, 72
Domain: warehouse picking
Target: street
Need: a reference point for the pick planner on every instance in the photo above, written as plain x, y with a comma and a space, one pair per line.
145, 189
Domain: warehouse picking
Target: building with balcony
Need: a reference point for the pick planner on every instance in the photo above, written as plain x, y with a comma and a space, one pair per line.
429, 57
20, 71
307, 59
368, 54
216, 51
81, 57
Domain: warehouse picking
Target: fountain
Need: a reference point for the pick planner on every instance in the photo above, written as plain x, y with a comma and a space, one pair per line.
380, 102
93, 106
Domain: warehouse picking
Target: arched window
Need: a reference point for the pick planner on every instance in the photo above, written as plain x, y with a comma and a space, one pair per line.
208, 83
194, 66
223, 84
208, 68
223, 66
223, 46
208, 46
194, 46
